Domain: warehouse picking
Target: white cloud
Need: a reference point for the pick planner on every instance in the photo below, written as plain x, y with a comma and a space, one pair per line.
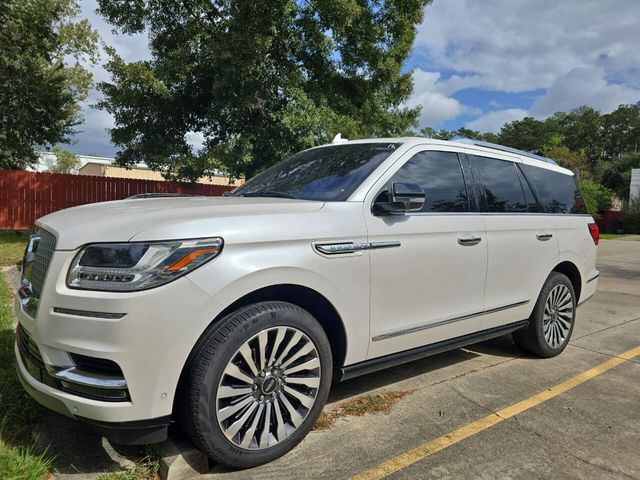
520, 46
492, 121
92, 136
583, 86
431, 94
579, 51
195, 140
436, 107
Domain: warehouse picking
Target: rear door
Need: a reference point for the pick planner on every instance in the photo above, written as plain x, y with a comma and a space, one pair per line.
522, 248
430, 285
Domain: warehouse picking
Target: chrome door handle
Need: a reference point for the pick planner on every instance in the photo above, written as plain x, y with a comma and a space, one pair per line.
469, 241
543, 237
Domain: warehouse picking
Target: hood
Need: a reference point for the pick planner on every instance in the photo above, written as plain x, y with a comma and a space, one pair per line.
163, 218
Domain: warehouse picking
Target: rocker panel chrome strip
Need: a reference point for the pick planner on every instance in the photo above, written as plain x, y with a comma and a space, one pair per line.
445, 321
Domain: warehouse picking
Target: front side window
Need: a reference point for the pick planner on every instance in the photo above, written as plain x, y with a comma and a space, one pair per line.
440, 175
500, 188
330, 173
557, 191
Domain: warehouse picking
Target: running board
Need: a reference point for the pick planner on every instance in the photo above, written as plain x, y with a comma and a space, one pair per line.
387, 361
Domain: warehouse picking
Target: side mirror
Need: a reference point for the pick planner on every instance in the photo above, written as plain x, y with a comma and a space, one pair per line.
401, 197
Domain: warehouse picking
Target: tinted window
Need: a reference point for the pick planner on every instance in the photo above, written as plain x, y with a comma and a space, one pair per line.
532, 203
558, 192
440, 175
499, 185
328, 173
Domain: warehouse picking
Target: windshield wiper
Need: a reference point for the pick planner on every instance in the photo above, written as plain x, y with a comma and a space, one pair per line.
268, 193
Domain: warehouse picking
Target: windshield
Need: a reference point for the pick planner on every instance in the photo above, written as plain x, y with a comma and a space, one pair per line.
329, 173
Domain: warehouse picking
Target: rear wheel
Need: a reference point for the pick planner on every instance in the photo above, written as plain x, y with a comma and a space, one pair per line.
552, 320
256, 383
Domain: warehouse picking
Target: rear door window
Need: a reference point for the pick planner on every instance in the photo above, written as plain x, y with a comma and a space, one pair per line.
557, 191
498, 184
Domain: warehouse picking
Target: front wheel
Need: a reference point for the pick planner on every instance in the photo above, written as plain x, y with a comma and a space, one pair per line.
552, 320
256, 383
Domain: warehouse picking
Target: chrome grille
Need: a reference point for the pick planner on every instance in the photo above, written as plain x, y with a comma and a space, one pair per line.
35, 270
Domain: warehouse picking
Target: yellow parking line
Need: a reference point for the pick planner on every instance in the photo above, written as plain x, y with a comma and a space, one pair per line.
419, 453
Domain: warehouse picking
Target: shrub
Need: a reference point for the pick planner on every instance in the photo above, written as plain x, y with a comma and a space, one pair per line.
631, 216
595, 196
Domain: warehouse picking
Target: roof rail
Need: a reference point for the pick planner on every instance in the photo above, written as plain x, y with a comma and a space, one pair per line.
502, 148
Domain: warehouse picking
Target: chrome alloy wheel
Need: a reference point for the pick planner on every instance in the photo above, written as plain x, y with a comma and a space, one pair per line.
558, 315
268, 388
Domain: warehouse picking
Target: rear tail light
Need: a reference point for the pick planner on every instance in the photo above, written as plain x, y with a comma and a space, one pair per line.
595, 232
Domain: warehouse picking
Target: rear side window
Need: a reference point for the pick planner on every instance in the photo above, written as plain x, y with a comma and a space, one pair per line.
499, 185
558, 192
440, 175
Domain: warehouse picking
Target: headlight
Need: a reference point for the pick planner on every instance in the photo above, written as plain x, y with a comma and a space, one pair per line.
126, 267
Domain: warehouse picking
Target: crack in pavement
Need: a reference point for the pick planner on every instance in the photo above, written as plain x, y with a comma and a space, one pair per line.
604, 329
632, 360
572, 454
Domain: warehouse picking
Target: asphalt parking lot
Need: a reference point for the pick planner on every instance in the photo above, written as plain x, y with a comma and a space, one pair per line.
487, 411
452, 425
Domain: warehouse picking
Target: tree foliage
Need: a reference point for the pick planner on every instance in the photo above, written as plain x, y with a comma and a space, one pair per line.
42, 80
65, 161
617, 173
258, 80
596, 197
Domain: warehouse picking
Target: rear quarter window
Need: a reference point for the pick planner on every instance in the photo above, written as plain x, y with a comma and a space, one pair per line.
558, 192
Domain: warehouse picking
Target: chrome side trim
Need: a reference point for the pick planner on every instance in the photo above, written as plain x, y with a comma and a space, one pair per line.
86, 313
351, 247
439, 323
487, 214
593, 278
78, 377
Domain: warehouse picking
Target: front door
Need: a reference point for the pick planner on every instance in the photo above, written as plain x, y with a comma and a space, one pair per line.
428, 276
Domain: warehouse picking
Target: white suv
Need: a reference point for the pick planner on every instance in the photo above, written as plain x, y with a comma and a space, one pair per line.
233, 315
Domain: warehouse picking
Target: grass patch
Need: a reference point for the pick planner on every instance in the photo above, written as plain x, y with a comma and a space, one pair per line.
360, 406
20, 463
18, 412
12, 245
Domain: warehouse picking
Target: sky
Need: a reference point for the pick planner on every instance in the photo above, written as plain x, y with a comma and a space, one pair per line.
476, 63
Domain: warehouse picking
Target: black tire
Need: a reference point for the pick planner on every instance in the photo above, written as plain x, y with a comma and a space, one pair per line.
532, 339
197, 404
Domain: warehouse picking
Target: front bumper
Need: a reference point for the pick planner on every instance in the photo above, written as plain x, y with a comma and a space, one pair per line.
150, 344
124, 433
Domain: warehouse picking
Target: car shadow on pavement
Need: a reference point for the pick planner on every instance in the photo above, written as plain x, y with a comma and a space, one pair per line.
79, 449
497, 347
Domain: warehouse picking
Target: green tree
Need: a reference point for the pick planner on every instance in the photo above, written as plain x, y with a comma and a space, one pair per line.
596, 197
617, 173
527, 134
621, 130
42, 79
66, 161
575, 162
582, 132
259, 80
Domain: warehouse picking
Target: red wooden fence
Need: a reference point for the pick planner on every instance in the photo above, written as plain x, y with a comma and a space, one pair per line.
25, 196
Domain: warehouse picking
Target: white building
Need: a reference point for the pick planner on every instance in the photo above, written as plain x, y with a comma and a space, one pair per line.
105, 167
634, 187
